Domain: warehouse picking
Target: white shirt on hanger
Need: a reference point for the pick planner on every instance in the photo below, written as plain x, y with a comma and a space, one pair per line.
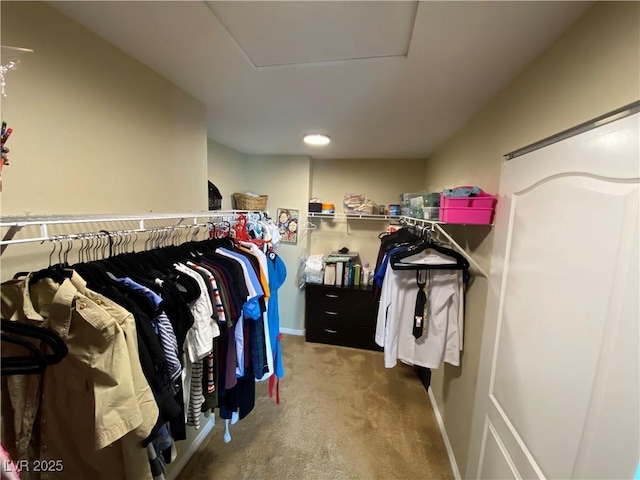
442, 339
205, 328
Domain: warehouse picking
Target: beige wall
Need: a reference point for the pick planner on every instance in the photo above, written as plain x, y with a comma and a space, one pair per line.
380, 180
94, 130
286, 180
290, 181
227, 171
592, 69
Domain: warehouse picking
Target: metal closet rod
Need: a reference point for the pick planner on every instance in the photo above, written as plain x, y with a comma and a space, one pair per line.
17, 223
436, 226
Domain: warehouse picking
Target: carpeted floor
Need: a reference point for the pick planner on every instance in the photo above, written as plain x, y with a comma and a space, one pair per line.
342, 415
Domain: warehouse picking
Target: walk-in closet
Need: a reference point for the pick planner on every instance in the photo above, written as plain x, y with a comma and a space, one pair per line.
313, 240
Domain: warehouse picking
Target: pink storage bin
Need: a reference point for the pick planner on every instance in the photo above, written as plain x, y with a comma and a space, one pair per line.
469, 215
484, 200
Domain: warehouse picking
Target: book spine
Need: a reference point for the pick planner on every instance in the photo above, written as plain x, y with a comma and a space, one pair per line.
339, 273
345, 281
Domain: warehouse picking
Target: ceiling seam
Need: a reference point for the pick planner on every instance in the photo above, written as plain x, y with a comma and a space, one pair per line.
208, 4
324, 62
413, 27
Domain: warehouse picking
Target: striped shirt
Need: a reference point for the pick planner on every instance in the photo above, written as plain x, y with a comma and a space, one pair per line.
169, 345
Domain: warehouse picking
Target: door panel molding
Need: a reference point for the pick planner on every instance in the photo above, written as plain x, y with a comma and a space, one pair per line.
505, 468
575, 328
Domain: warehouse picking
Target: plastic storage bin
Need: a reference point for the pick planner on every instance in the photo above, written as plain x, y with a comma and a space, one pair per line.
469, 215
416, 203
422, 199
483, 200
328, 208
476, 210
430, 213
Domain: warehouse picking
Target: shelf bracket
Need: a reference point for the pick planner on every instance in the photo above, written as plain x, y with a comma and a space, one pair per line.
9, 236
462, 251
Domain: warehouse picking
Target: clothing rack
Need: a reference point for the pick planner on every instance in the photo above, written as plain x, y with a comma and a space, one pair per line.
15, 224
95, 233
435, 225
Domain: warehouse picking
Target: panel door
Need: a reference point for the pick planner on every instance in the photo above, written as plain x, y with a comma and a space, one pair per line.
558, 388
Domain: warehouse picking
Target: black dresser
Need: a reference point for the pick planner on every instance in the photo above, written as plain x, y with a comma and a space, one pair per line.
341, 316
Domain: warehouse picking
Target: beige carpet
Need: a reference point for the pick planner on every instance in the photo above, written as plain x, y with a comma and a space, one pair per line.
342, 415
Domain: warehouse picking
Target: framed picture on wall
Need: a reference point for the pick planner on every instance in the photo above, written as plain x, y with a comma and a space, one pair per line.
288, 225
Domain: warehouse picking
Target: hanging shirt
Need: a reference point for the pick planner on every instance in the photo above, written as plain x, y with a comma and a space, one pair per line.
277, 275
96, 397
164, 331
442, 340
380, 272
275, 234
252, 310
261, 347
233, 278
198, 345
205, 328
264, 268
214, 291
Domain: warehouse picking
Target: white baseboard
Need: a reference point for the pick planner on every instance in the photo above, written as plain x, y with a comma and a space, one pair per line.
445, 437
292, 331
182, 460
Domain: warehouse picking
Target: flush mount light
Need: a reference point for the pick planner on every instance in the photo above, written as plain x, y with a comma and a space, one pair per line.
316, 139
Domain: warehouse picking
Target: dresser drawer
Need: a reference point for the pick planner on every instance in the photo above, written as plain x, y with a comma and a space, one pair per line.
339, 334
349, 315
326, 295
341, 316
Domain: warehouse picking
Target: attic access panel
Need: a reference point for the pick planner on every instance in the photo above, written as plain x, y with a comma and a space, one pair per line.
289, 33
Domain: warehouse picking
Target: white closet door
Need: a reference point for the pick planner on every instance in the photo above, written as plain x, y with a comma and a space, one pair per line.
558, 389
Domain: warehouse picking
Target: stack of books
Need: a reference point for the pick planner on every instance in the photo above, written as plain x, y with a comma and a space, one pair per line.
343, 269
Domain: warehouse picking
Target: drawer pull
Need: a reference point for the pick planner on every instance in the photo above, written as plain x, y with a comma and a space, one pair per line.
330, 295
330, 331
330, 313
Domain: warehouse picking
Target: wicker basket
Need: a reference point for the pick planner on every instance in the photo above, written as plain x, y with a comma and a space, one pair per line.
249, 202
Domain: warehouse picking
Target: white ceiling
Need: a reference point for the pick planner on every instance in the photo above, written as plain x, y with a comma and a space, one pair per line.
383, 79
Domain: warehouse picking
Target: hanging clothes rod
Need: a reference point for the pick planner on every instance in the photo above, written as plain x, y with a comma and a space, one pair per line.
16, 223
437, 226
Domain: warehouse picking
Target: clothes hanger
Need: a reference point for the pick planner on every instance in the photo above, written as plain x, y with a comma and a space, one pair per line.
404, 236
418, 262
22, 365
55, 272
401, 231
11, 333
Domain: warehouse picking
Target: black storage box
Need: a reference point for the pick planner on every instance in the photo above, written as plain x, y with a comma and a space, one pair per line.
315, 207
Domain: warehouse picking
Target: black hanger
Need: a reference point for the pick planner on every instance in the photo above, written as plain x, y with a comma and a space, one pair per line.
401, 232
22, 365
461, 263
404, 236
12, 331
58, 273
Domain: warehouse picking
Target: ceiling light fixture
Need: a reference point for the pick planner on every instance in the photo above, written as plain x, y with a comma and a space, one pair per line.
316, 139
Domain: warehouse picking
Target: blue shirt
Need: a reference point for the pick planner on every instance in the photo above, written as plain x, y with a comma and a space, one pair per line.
378, 278
277, 275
